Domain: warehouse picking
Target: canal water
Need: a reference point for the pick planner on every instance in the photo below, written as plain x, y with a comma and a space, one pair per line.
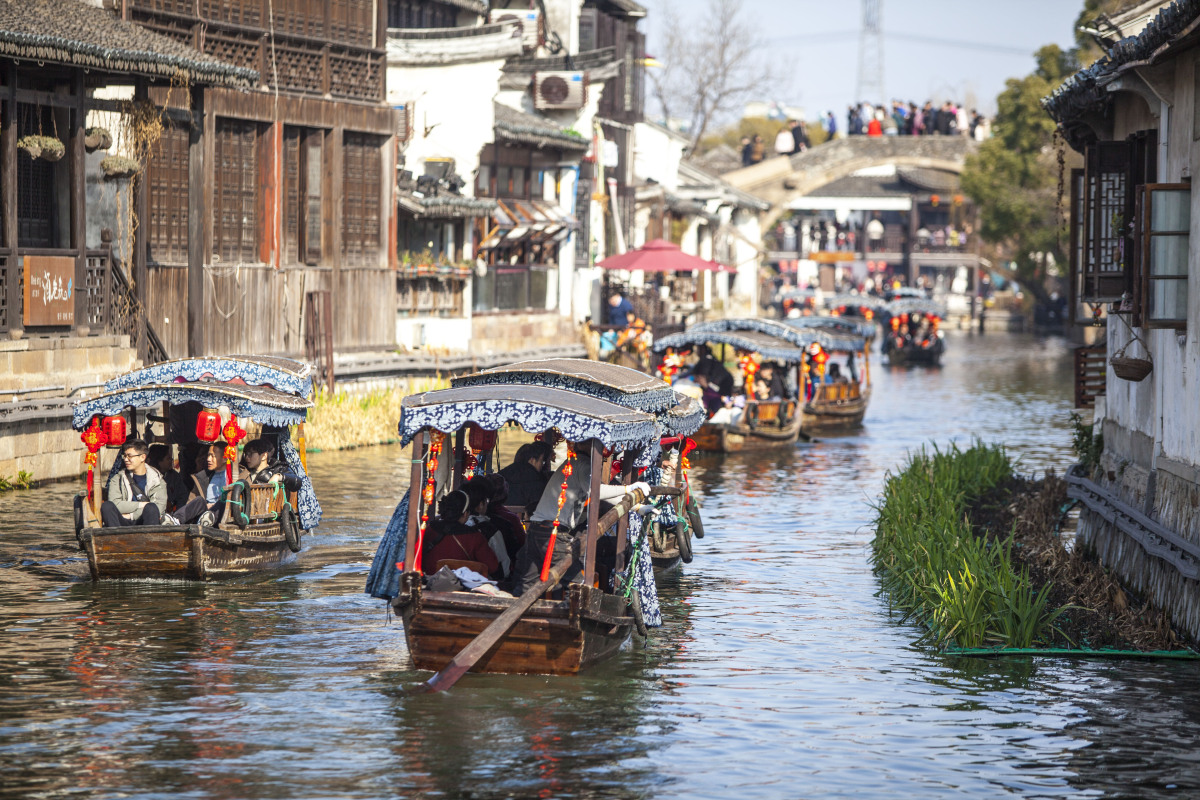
779, 673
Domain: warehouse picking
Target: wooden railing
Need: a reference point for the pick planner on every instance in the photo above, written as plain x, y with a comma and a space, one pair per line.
1091, 367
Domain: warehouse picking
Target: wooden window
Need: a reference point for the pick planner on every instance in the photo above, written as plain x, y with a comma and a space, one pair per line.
1076, 249
425, 297
167, 182
1105, 273
302, 195
37, 184
1166, 236
235, 195
361, 189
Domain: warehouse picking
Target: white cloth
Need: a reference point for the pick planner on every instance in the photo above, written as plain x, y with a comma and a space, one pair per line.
784, 142
470, 578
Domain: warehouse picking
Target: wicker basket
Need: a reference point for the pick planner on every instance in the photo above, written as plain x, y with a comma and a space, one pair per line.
1131, 369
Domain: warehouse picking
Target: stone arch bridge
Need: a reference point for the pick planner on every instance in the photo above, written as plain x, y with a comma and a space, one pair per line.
780, 180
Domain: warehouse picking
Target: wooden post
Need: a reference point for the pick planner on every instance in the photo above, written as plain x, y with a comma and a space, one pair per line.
593, 514
78, 201
141, 206
8, 203
459, 458
414, 501
198, 217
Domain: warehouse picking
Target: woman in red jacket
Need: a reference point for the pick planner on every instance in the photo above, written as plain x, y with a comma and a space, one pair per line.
449, 537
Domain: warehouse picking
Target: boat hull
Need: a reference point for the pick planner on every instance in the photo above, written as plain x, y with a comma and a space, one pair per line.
726, 438
187, 552
835, 415
552, 638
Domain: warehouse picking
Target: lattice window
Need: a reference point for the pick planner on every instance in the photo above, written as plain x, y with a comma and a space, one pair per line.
182, 7
361, 197
37, 209
301, 18
351, 21
234, 47
238, 12
235, 199
167, 180
96, 287
356, 76
173, 28
291, 196
1109, 198
299, 68
1077, 253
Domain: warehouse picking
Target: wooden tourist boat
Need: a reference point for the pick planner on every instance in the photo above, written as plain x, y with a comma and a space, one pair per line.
272, 394
833, 406
680, 417
867, 309
772, 422
912, 334
547, 636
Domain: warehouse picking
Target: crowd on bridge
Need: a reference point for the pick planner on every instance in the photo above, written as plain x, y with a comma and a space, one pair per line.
908, 119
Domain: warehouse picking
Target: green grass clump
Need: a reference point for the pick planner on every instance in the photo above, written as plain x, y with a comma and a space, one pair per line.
24, 480
964, 588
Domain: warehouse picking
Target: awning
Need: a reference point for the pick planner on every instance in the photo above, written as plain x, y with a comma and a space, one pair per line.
521, 220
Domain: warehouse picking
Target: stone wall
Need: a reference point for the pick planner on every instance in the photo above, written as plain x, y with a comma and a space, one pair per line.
501, 333
39, 379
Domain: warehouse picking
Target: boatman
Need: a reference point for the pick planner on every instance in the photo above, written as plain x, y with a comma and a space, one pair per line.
529, 560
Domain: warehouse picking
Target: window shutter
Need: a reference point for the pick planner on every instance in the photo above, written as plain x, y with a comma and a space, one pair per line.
1106, 272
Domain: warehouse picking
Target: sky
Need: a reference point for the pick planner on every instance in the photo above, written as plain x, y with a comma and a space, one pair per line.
962, 50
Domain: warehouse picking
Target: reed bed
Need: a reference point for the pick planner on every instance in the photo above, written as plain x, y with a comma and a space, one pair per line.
965, 589
341, 420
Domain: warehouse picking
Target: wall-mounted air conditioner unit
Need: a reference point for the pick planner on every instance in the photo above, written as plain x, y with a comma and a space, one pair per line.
559, 90
531, 23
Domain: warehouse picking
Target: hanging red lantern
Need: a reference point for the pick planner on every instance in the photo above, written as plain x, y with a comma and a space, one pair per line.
482, 440
934, 199
233, 434
114, 430
93, 438
208, 425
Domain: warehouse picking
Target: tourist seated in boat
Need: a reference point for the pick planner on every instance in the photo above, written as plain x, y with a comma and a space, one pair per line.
137, 494
712, 370
207, 502
573, 515
769, 383
448, 537
177, 486
510, 524
835, 374
526, 475
260, 466
479, 498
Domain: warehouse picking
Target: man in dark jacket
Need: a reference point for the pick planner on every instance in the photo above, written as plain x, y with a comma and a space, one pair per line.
177, 486
526, 475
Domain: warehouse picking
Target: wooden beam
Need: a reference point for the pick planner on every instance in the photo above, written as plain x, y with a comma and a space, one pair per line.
197, 225
141, 205
415, 486
78, 202
8, 201
593, 514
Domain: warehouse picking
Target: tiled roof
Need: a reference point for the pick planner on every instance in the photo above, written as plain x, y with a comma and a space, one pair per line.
517, 126
77, 34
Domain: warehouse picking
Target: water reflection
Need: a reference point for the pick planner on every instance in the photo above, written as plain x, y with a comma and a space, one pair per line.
780, 671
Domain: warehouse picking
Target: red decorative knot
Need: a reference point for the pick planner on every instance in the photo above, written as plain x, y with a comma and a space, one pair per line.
94, 436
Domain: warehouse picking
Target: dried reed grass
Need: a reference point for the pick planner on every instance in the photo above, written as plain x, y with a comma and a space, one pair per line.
340, 420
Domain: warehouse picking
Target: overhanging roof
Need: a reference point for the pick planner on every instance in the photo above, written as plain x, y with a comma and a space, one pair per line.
536, 130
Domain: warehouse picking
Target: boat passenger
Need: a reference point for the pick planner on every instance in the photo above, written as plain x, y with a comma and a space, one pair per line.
258, 458
137, 495
510, 525
479, 495
771, 383
712, 370
449, 537
526, 474
206, 505
835, 374
571, 516
177, 487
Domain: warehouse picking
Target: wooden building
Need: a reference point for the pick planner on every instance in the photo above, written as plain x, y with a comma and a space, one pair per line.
1133, 115
282, 196
56, 58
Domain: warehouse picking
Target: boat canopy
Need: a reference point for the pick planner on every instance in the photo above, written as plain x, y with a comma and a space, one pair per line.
281, 374
678, 414
871, 301
259, 403
773, 348
916, 305
576, 416
847, 325
833, 336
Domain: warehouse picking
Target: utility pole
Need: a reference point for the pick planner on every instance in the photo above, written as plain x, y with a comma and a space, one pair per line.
870, 54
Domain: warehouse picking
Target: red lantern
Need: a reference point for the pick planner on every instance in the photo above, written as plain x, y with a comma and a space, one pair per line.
481, 440
114, 430
233, 434
93, 438
208, 425
934, 199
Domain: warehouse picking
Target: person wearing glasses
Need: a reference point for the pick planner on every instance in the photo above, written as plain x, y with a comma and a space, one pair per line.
137, 494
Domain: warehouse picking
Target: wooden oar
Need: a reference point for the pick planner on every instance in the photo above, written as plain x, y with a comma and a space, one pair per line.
501, 625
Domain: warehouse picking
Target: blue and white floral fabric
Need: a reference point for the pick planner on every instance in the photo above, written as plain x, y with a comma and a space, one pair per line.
383, 581
643, 575
770, 347
831, 333
618, 428
284, 375
652, 401
265, 406
309, 511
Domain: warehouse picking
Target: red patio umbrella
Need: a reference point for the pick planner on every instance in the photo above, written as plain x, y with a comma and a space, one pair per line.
659, 255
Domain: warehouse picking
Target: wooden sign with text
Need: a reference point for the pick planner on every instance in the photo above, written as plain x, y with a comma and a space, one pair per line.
49, 290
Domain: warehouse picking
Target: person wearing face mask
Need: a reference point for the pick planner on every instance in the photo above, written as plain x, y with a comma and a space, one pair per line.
206, 503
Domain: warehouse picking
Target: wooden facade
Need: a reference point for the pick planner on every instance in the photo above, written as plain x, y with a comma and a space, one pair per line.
290, 181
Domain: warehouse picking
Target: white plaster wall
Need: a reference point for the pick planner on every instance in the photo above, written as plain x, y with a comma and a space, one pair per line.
656, 156
451, 333
454, 102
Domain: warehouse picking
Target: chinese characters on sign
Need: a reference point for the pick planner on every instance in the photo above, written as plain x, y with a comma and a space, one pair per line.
49, 290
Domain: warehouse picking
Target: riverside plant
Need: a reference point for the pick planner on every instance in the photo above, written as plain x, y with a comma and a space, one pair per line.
341, 420
962, 587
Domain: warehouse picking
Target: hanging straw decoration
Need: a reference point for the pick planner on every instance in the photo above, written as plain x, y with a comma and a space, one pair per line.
567, 469
435, 449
